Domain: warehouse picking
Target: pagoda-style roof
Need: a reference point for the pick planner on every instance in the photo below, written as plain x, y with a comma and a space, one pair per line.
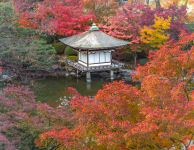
94, 39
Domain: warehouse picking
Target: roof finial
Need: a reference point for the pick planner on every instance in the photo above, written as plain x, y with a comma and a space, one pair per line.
94, 27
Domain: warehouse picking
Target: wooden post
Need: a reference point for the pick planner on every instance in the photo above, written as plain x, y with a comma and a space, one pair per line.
88, 77
111, 74
77, 73
87, 59
67, 74
88, 85
158, 5
67, 71
111, 57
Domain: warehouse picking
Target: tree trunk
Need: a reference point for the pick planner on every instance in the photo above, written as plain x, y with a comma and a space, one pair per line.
135, 59
157, 3
186, 3
147, 2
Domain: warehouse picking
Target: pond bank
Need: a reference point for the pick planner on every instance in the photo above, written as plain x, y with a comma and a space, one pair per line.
50, 86
12, 71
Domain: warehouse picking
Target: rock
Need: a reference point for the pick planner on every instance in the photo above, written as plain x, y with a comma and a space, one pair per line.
66, 74
55, 67
69, 68
126, 74
63, 64
5, 77
72, 73
104, 74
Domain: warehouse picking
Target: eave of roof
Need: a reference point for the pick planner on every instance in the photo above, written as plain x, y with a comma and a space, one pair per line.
93, 41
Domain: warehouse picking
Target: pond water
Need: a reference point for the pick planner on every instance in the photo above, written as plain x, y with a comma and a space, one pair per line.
51, 90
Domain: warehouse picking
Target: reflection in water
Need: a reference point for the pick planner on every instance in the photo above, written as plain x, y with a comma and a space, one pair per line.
51, 90
88, 85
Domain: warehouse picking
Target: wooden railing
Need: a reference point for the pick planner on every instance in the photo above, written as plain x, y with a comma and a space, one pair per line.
76, 65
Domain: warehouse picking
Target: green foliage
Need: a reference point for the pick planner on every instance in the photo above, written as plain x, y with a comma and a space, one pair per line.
49, 38
143, 61
73, 58
123, 54
63, 64
6, 14
59, 47
23, 46
188, 46
190, 27
34, 53
70, 52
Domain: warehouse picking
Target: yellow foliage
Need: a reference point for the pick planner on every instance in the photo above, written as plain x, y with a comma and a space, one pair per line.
161, 23
157, 34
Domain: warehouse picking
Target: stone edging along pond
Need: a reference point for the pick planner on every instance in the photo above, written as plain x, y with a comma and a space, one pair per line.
12, 72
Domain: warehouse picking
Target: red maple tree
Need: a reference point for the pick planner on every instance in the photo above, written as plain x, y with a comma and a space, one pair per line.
55, 17
157, 115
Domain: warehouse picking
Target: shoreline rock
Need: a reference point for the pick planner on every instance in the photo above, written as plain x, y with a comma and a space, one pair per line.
58, 71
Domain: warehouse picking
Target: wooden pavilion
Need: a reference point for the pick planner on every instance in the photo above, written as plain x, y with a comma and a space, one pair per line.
94, 49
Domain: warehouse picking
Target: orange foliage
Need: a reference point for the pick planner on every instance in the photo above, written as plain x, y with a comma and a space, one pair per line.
53, 16
171, 61
102, 9
157, 115
25, 21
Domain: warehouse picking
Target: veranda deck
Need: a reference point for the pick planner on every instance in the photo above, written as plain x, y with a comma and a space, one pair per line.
115, 65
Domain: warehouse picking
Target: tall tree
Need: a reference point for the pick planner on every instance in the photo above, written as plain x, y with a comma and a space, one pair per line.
178, 17
102, 9
127, 25
147, 2
158, 5
56, 17
188, 4
132, 17
22, 46
156, 35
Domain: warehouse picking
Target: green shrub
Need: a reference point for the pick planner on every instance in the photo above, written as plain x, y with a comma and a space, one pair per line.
143, 61
73, 58
70, 52
59, 47
190, 27
22, 46
63, 64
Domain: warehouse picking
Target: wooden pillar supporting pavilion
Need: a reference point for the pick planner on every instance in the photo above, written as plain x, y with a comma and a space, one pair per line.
88, 77
111, 74
77, 73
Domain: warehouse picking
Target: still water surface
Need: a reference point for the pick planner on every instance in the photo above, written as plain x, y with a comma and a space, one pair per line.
51, 90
